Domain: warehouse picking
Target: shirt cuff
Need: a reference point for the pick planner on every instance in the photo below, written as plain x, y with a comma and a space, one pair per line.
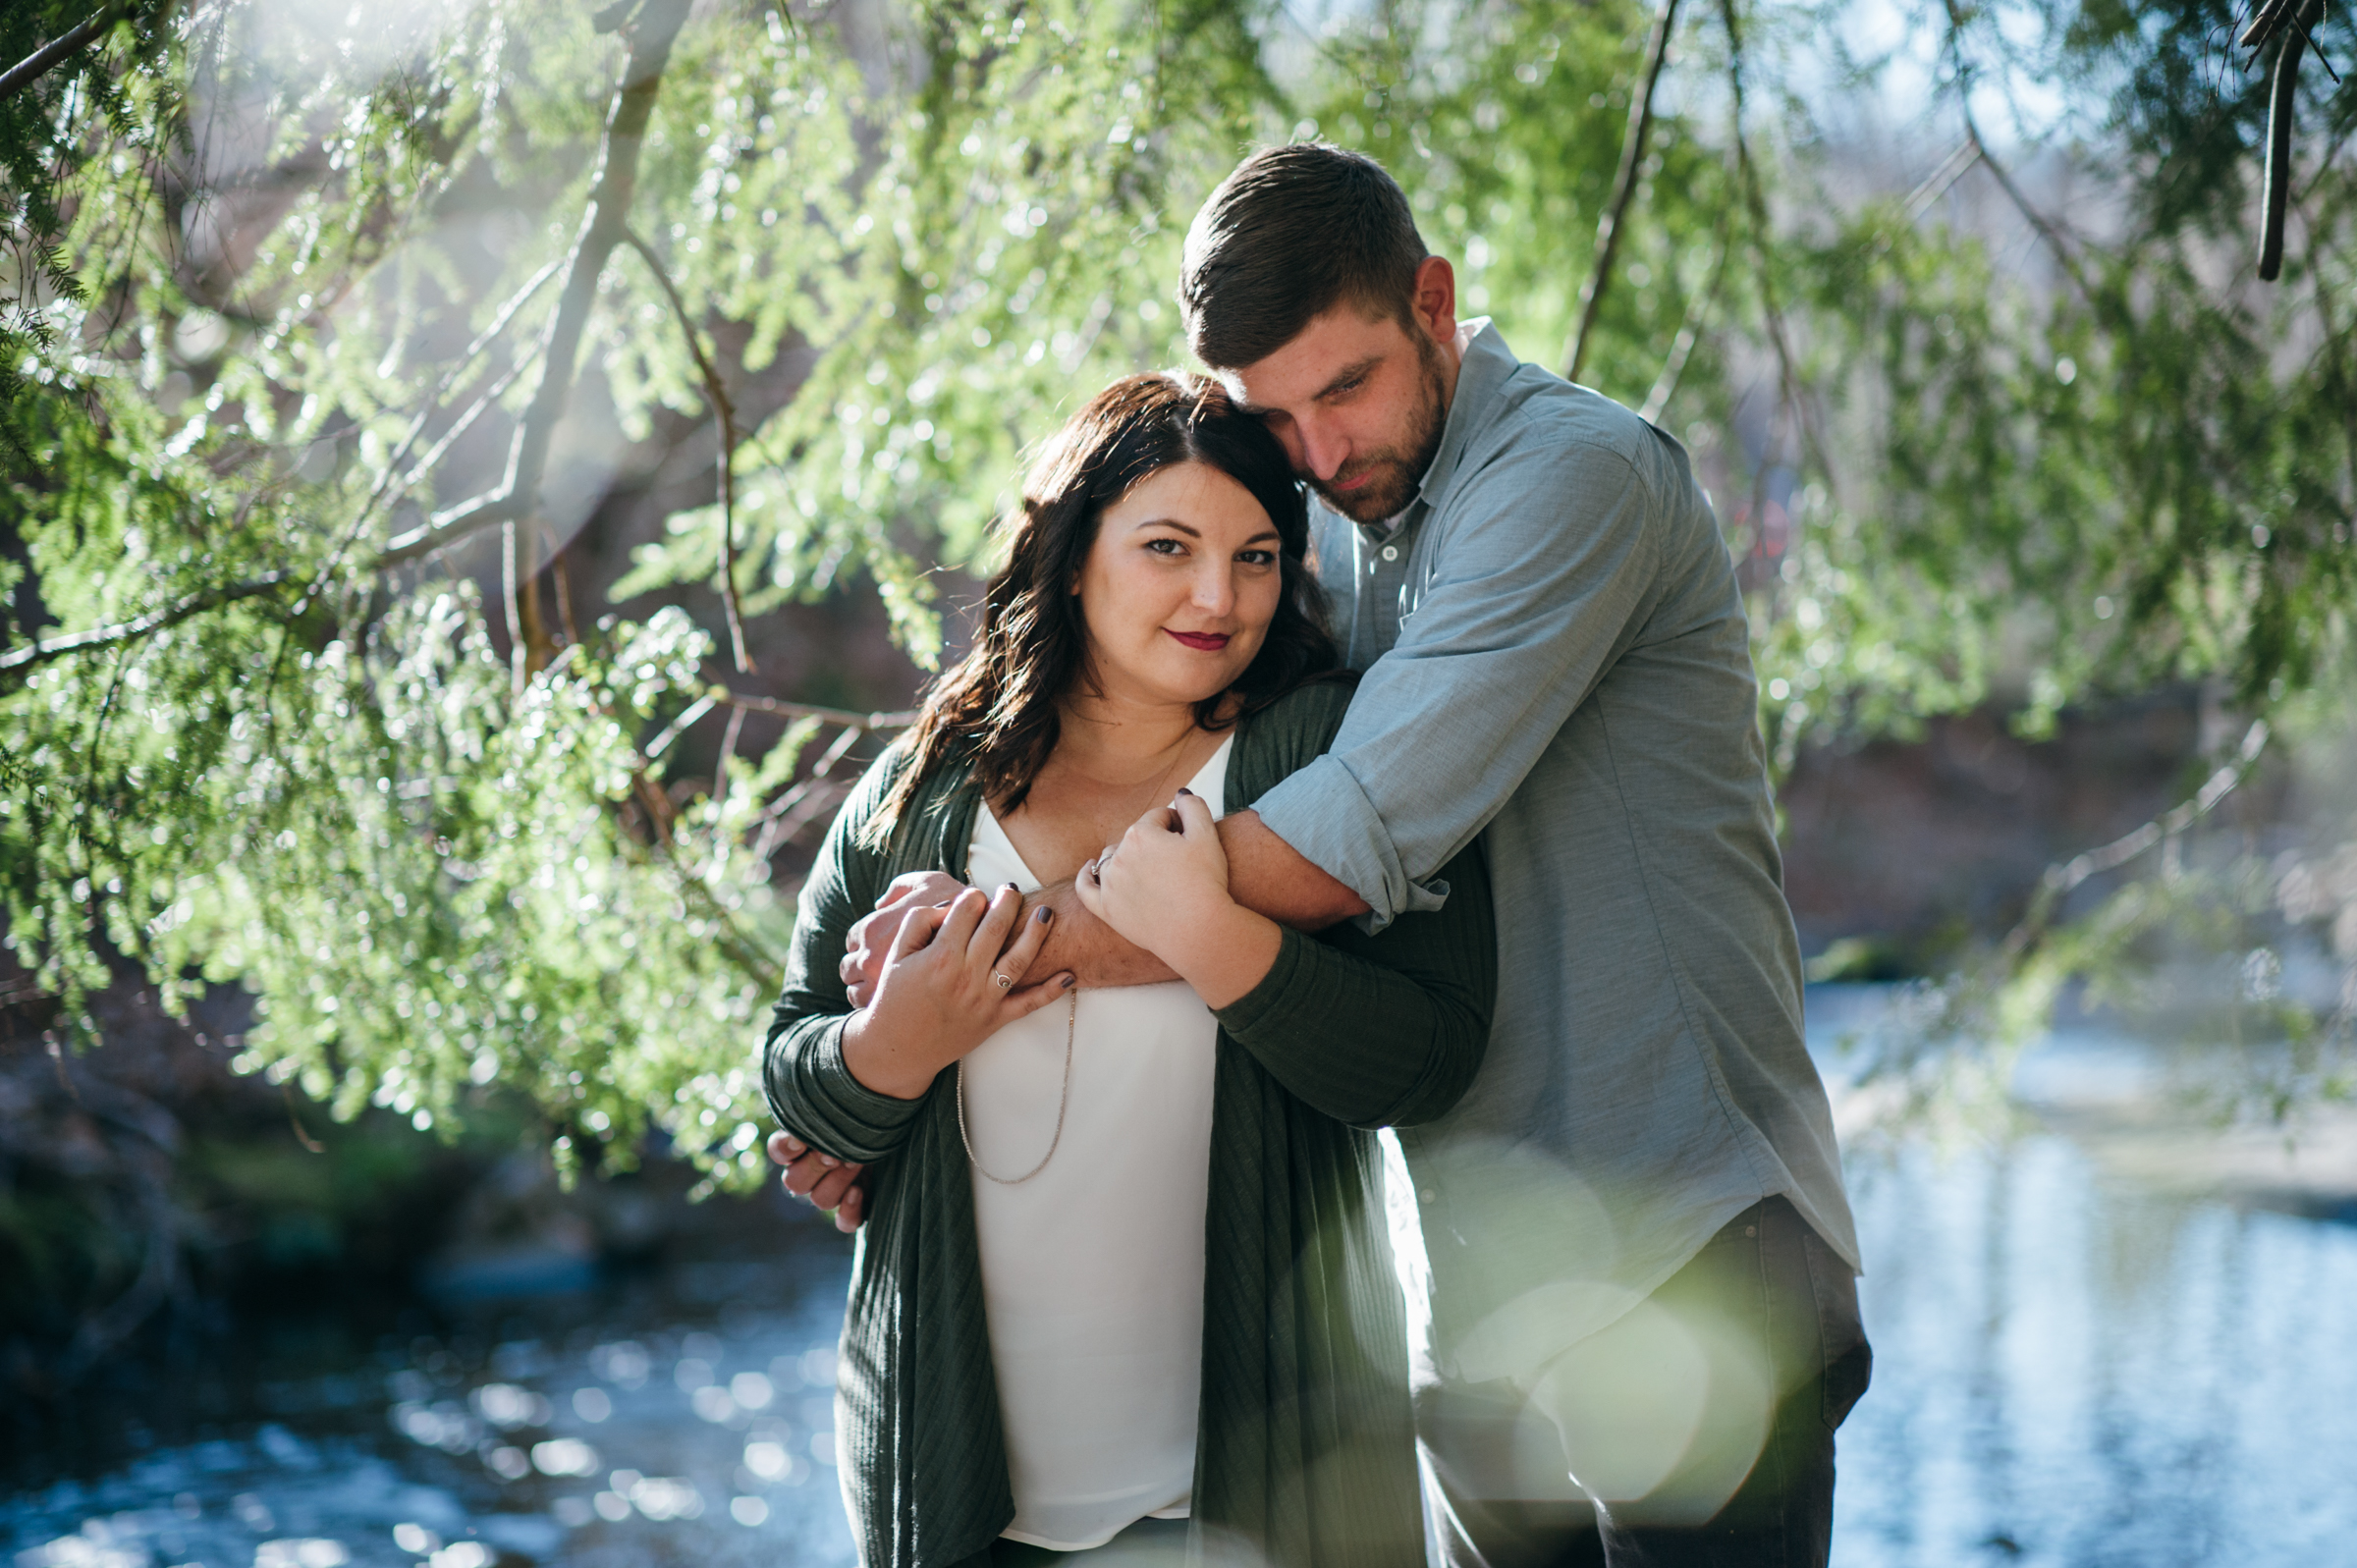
1326, 816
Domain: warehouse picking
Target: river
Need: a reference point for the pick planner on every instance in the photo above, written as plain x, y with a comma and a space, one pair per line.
2075, 1366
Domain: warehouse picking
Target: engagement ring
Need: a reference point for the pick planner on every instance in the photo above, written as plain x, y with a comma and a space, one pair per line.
1005, 983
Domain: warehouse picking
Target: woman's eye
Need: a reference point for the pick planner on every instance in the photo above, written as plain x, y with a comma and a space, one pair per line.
1166, 547
1257, 558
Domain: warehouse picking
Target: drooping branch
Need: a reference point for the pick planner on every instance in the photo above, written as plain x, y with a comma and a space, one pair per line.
1952, 167
38, 64
1682, 348
196, 604
1755, 203
393, 481
2280, 91
1625, 188
805, 710
724, 417
2037, 221
604, 222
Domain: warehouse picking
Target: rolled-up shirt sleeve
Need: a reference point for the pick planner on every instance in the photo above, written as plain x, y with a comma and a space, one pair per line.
1546, 572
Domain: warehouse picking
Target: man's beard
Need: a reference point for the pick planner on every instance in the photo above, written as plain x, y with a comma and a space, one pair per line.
1398, 470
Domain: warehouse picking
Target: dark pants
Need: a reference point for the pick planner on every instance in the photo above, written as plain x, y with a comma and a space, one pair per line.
1773, 1361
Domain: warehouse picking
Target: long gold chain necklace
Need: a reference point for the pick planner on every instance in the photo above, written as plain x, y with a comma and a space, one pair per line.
1071, 1022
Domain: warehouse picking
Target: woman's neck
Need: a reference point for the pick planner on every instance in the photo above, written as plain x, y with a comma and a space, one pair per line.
1118, 738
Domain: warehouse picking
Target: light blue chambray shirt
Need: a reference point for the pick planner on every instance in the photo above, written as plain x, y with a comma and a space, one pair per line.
1555, 653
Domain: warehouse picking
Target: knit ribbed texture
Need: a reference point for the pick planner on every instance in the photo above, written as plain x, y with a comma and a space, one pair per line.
1305, 1452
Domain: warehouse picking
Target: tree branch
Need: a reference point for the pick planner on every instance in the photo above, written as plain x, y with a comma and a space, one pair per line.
1756, 205
723, 415
1972, 133
1664, 385
2278, 144
38, 652
805, 710
36, 65
604, 222
2060, 880
1625, 188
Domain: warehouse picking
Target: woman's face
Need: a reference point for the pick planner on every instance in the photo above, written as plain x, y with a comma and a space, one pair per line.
1179, 589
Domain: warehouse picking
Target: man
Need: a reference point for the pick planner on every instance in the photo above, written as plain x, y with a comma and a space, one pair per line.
1639, 1324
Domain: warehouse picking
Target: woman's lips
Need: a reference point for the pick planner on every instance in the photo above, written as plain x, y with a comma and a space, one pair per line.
1201, 641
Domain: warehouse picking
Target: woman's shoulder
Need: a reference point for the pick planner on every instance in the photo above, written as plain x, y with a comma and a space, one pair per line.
1283, 736
1312, 709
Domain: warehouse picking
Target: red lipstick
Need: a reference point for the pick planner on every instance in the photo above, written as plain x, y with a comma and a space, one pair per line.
1201, 641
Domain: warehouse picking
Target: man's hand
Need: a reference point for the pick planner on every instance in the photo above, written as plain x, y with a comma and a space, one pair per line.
870, 940
822, 1179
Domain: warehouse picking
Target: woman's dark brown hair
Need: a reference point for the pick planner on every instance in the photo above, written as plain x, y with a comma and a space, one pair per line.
996, 708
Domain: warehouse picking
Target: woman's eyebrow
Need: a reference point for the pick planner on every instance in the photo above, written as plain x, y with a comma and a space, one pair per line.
1192, 532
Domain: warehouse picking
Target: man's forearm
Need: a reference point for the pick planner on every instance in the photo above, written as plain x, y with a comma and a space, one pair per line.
1264, 874
1098, 955
1267, 875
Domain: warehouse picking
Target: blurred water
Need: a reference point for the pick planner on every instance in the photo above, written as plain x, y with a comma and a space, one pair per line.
2067, 1373
689, 1425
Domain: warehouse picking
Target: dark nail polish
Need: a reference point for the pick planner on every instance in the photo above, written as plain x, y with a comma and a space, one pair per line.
1182, 789
1067, 982
1045, 914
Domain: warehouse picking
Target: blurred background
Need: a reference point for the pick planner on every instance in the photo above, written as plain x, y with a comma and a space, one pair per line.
479, 479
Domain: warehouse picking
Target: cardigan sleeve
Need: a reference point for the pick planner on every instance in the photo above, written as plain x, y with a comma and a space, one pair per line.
1373, 1030
812, 1090
1383, 1030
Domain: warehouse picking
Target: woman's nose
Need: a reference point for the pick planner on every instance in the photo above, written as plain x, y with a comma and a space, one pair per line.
1215, 590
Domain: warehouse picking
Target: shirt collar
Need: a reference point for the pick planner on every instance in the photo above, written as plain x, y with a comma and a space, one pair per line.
1486, 364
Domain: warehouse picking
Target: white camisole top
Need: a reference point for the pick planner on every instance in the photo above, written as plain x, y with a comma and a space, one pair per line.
1092, 1270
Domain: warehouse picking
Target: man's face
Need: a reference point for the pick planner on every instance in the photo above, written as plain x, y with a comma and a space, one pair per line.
1361, 404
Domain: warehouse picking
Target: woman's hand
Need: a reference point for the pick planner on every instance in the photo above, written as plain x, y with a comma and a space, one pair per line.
944, 989
1165, 888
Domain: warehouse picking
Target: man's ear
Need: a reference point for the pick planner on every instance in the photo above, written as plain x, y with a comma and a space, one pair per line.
1436, 298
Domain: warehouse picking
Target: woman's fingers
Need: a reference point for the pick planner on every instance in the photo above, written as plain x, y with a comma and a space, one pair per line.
1089, 889
1026, 1000
1195, 814
1016, 960
990, 932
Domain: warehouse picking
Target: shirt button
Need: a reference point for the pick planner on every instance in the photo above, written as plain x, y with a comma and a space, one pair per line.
1425, 1194
1390, 552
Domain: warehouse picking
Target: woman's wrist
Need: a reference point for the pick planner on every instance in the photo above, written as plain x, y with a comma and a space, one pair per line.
881, 1065
1224, 952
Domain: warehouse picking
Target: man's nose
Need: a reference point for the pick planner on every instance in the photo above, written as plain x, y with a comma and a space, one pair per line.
1317, 451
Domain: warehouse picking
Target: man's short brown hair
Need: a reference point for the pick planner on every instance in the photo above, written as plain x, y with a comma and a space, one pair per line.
1292, 232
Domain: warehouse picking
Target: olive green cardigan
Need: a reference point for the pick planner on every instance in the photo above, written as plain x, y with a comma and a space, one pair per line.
1305, 1452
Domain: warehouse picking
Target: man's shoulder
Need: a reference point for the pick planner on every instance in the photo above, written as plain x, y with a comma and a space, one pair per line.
1572, 449
1543, 420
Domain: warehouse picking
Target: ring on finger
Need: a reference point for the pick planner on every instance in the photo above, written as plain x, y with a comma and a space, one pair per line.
1003, 982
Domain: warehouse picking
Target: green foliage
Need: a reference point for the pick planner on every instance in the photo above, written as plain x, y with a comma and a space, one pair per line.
267, 261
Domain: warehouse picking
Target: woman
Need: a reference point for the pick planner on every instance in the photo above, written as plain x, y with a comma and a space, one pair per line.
1061, 1330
